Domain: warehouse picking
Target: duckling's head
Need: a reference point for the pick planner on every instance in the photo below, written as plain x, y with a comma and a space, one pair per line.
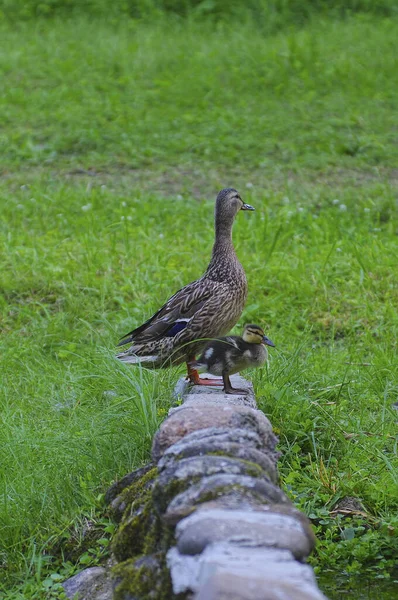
253, 334
229, 203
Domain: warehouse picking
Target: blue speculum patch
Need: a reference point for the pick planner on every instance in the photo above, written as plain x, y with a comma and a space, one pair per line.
176, 328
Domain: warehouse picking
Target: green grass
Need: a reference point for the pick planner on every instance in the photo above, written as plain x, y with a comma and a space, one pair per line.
114, 142
192, 96
270, 15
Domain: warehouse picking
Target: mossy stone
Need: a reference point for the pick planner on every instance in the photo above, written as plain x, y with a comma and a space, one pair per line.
222, 485
140, 528
134, 494
144, 578
117, 488
182, 474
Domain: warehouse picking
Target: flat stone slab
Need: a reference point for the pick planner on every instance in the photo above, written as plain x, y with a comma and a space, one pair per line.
190, 573
204, 466
222, 485
185, 472
226, 585
213, 434
184, 389
242, 444
214, 399
255, 528
91, 584
188, 420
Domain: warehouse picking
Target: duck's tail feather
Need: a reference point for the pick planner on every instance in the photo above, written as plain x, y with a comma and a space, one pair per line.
125, 340
133, 359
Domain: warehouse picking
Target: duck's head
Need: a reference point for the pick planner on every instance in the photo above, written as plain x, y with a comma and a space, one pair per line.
230, 203
253, 334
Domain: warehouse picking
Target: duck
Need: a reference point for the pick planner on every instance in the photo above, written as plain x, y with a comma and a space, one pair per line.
204, 309
228, 355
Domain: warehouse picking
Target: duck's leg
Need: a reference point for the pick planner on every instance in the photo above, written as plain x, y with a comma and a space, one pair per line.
228, 389
194, 378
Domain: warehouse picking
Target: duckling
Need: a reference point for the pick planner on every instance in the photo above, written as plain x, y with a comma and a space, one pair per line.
228, 355
206, 308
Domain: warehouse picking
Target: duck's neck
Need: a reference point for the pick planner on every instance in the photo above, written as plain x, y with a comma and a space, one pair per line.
223, 257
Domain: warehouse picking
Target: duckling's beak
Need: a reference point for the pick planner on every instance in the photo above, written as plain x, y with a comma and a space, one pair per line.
247, 207
268, 342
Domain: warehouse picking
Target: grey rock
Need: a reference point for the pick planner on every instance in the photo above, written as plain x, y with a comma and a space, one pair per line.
188, 420
190, 572
208, 488
181, 388
216, 399
91, 584
182, 473
234, 501
235, 443
250, 504
253, 528
225, 585
197, 395
203, 466
185, 390
220, 434
184, 570
348, 505
118, 506
251, 455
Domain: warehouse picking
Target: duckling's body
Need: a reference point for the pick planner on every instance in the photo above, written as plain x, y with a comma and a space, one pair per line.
228, 355
206, 308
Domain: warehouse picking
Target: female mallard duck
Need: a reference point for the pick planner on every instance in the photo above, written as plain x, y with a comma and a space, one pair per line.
206, 308
228, 355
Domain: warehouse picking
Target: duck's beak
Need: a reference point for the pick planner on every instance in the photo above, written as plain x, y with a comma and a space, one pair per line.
268, 342
247, 207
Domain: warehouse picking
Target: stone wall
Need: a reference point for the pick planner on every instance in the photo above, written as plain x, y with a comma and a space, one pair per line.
207, 520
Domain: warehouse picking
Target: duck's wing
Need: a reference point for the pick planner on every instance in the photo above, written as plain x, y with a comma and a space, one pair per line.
230, 347
173, 316
221, 354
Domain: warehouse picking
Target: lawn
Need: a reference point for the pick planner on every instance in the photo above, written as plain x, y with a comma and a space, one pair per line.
114, 140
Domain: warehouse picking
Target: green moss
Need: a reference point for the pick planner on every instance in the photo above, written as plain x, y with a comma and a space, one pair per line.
146, 578
253, 469
142, 540
141, 531
139, 519
162, 496
228, 490
130, 538
139, 488
145, 575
